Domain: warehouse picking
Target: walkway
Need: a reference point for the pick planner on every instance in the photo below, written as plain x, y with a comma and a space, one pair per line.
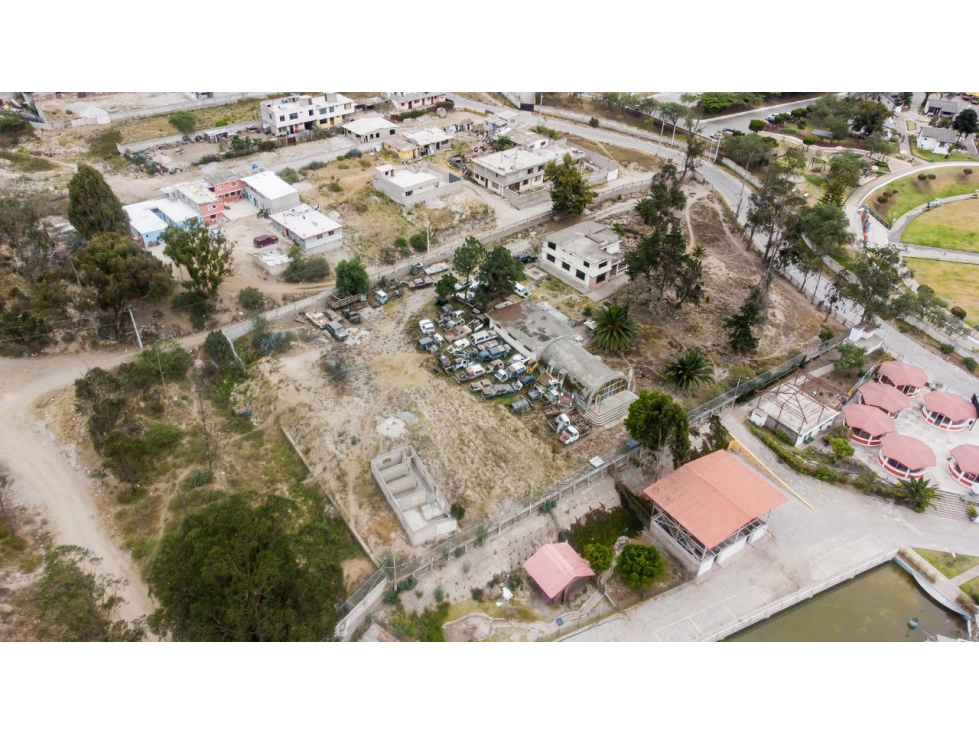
901, 223
966, 576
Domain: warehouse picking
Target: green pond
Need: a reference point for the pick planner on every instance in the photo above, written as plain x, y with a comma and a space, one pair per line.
872, 607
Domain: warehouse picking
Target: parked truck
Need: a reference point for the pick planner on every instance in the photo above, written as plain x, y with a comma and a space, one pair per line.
339, 300
317, 319
418, 283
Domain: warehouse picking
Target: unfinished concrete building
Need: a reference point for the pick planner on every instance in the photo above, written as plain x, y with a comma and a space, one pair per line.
413, 495
801, 407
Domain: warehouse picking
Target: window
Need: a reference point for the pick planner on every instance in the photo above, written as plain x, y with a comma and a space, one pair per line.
587, 265
551, 246
294, 116
530, 171
550, 258
579, 275
566, 266
282, 118
408, 193
601, 278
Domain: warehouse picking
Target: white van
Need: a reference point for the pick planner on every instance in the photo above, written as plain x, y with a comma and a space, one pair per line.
481, 337
521, 290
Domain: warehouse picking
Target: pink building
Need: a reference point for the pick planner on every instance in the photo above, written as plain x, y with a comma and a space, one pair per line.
558, 571
964, 466
408, 101
904, 456
948, 411
867, 424
199, 196
229, 190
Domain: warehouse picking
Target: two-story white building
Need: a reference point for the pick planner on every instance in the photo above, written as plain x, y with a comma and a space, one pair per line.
584, 255
299, 113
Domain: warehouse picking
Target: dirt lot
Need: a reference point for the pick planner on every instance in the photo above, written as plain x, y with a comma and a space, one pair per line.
478, 451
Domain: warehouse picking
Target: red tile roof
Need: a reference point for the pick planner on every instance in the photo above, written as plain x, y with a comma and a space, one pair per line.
911, 452
714, 496
951, 405
868, 418
555, 566
967, 457
901, 373
883, 396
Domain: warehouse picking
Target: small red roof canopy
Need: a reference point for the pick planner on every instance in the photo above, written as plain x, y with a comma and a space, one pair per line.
951, 405
901, 373
885, 397
868, 418
967, 457
911, 452
714, 496
555, 566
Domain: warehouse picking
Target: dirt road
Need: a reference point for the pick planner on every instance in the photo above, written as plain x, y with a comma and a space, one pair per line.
45, 476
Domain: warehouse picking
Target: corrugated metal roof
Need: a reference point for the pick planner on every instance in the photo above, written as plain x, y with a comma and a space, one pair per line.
715, 496
555, 566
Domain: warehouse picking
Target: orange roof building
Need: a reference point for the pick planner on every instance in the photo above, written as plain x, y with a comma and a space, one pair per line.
713, 506
558, 571
905, 377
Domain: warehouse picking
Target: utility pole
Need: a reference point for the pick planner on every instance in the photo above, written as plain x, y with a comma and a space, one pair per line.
139, 338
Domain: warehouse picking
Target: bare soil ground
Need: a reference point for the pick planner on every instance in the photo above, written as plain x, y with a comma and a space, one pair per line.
792, 322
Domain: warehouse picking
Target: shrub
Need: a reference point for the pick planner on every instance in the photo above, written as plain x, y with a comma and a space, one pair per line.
784, 438
439, 594
401, 243
810, 140
841, 448
593, 122
969, 363
958, 312
458, 553
477, 594
197, 478
251, 298
931, 177
223, 122
756, 125
599, 556
352, 153
947, 348
587, 311
418, 242
640, 565
334, 187
289, 175
881, 199
458, 510
967, 171
825, 334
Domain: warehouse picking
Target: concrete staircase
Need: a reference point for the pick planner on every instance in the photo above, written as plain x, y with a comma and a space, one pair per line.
949, 504
612, 410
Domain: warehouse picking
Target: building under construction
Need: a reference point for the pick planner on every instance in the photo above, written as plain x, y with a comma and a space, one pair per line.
801, 407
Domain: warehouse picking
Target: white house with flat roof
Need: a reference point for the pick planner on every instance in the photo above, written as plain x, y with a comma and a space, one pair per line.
198, 195
585, 255
368, 129
408, 101
415, 184
149, 219
307, 227
303, 112
429, 140
267, 191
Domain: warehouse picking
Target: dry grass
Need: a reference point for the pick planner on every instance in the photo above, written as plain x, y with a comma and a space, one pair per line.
147, 128
623, 156
955, 282
953, 226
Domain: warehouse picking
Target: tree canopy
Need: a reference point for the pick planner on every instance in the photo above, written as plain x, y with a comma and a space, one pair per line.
660, 423
121, 273
468, 257
93, 208
499, 272
72, 602
640, 565
614, 329
741, 339
185, 122
874, 280
248, 569
966, 122
205, 255
570, 193
352, 277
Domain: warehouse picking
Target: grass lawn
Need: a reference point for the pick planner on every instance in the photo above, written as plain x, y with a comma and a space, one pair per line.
912, 193
25, 162
912, 126
953, 226
955, 282
971, 588
945, 563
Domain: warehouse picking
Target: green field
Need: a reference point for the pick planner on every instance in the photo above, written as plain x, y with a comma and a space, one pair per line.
944, 562
912, 193
953, 226
955, 282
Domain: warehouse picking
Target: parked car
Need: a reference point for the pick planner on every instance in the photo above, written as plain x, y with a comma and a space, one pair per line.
351, 315
437, 268
428, 344
265, 240
331, 315
521, 290
337, 330
527, 257
426, 326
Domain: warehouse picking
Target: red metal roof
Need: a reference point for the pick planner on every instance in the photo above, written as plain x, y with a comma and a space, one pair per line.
951, 405
868, 418
911, 452
887, 397
967, 457
901, 373
714, 496
555, 566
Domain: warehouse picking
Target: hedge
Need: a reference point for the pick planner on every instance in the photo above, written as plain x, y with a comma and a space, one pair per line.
794, 462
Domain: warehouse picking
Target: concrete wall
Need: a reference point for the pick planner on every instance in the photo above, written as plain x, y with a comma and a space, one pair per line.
407, 485
449, 185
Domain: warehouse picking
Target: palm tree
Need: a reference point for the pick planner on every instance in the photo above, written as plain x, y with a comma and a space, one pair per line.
614, 329
918, 492
688, 370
